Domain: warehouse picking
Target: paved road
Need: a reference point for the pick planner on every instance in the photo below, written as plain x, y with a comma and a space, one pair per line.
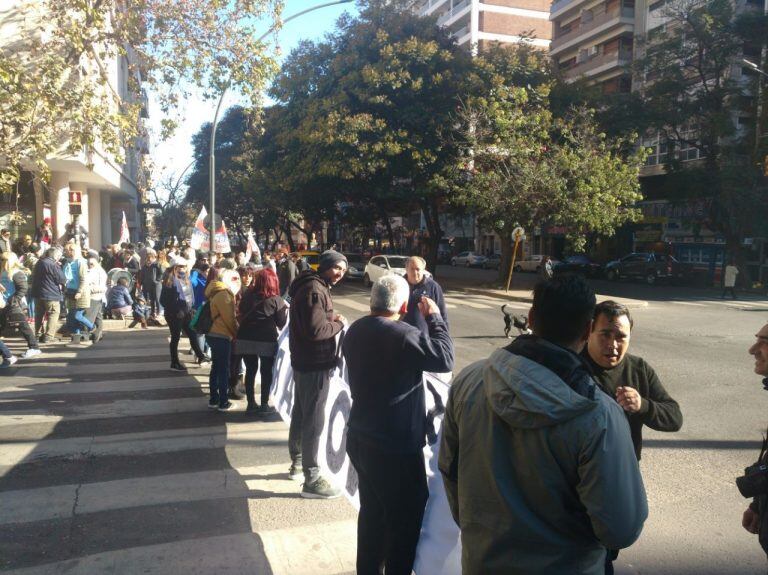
111, 464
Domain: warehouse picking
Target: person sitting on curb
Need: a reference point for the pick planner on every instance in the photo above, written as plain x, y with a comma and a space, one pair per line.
119, 300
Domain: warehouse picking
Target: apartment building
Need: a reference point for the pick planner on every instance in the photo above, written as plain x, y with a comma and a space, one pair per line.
475, 23
595, 39
90, 185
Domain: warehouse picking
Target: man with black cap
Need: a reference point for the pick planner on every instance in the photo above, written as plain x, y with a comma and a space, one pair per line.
313, 327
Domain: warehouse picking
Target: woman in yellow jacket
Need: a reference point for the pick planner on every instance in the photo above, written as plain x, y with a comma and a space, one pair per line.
219, 339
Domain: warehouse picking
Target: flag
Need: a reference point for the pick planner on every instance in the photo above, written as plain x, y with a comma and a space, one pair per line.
252, 248
200, 239
125, 236
221, 240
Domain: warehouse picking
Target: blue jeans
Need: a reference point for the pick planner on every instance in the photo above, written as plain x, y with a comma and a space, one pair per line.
218, 383
4, 351
76, 318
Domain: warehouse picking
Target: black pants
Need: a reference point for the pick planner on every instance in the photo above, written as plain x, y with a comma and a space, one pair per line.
176, 326
251, 367
26, 330
393, 494
729, 289
610, 557
309, 395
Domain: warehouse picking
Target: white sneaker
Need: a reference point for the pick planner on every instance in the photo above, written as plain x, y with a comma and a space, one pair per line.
8, 362
31, 352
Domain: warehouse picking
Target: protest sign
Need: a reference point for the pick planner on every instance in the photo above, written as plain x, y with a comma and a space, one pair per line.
439, 549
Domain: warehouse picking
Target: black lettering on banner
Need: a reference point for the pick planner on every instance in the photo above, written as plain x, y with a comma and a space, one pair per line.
335, 458
435, 413
352, 480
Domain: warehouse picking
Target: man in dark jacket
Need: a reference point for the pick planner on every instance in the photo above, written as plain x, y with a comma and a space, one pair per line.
537, 462
421, 285
386, 359
47, 283
286, 273
629, 379
312, 338
755, 518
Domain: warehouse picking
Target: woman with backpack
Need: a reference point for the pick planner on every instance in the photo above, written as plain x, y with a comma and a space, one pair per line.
14, 285
178, 301
262, 314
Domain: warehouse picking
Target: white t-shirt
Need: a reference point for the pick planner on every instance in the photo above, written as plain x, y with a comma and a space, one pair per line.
730, 275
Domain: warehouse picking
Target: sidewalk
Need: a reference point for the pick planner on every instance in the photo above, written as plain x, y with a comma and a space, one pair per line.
112, 463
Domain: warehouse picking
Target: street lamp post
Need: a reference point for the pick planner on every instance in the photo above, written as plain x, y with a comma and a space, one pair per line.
212, 158
759, 106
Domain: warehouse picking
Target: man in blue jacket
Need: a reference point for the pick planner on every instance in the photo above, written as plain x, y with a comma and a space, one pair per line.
538, 463
386, 359
47, 282
421, 284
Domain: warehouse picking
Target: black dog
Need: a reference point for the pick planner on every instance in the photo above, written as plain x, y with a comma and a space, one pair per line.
519, 321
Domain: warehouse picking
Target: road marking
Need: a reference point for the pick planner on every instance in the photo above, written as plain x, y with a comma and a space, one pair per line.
56, 502
467, 303
689, 303
352, 304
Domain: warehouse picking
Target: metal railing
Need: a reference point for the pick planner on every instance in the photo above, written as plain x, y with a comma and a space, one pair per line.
596, 22
453, 11
620, 58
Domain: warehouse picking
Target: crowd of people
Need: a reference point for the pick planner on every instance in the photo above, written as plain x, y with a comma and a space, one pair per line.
540, 443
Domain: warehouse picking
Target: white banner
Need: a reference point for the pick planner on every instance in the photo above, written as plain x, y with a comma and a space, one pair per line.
439, 550
201, 239
125, 236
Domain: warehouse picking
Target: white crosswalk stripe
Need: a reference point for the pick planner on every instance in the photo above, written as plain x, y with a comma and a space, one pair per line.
180, 489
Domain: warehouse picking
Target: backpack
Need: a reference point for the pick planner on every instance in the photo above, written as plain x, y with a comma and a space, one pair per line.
203, 320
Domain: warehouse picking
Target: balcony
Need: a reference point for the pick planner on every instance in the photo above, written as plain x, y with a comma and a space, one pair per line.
457, 8
600, 23
558, 7
429, 6
606, 61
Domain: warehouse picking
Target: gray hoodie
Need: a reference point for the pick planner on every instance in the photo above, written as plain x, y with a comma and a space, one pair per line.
538, 465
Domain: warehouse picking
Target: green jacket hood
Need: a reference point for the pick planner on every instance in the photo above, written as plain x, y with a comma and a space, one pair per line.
528, 395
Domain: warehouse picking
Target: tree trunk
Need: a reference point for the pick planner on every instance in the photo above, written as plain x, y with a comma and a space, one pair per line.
431, 216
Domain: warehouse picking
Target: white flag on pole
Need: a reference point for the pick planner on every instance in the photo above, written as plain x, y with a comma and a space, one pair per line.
125, 236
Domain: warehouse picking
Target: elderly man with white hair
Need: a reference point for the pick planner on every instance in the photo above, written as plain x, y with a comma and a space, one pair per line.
386, 358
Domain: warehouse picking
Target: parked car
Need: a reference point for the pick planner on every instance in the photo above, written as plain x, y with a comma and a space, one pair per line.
379, 266
492, 262
356, 266
578, 264
312, 257
531, 264
650, 267
468, 259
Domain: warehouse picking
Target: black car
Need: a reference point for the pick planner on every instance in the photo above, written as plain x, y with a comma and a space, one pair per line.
649, 267
579, 264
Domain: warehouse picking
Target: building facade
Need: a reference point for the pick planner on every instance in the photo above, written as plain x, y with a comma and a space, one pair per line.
90, 187
475, 23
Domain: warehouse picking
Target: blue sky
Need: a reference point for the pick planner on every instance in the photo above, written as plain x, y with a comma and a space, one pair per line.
174, 155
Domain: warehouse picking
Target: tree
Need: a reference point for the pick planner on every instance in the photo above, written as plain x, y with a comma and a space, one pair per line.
367, 113
692, 99
526, 166
55, 92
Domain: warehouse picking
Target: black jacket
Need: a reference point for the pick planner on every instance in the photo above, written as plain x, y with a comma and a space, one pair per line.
430, 288
47, 280
312, 335
260, 319
286, 273
386, 360
657, 410
16, 307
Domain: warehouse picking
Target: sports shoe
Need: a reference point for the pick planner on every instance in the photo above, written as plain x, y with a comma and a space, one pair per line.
31, 352
295, 472
266, 409
213, 403
320, 489
176, 366
48, 339
227, 406
9, 361
205, 360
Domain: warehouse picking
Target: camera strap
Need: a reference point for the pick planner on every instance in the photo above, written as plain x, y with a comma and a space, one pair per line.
764, 448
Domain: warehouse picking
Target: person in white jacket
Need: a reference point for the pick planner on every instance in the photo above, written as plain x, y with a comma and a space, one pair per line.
97, 280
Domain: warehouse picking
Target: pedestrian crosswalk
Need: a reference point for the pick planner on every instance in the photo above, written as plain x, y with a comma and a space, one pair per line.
357, 302
110, 463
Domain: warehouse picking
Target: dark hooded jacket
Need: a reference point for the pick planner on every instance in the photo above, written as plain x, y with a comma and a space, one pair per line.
538, 465
312, 335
